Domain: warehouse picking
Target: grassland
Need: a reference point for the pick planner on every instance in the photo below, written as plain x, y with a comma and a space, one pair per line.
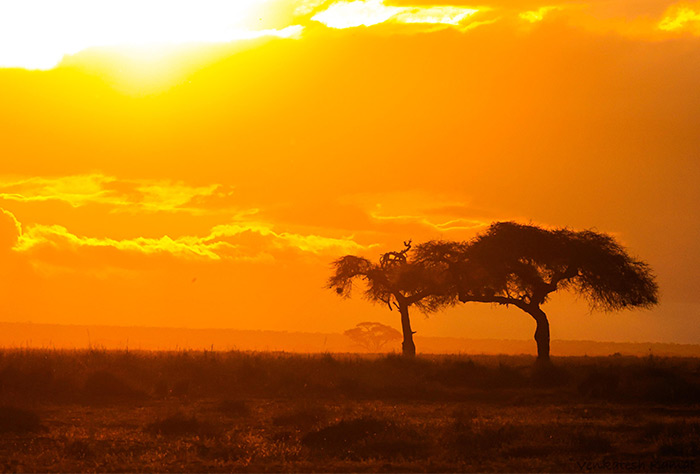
117, 411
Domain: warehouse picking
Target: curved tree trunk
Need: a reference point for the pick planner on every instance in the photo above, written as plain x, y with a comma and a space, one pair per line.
541, 333
409, 348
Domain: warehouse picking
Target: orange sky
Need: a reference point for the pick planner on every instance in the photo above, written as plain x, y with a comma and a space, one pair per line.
209, 180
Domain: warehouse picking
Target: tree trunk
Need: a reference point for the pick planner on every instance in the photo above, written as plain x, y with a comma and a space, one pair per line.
409, 348
541, 333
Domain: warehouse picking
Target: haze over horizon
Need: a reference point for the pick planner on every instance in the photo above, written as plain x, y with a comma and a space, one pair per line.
206, 175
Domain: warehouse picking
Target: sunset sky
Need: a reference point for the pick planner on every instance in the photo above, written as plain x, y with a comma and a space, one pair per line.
201, 163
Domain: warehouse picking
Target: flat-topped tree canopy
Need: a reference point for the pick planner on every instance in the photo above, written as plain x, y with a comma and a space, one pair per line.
527, 263
521, 265
397, 280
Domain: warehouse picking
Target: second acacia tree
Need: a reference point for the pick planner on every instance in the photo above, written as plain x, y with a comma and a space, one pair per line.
397, 281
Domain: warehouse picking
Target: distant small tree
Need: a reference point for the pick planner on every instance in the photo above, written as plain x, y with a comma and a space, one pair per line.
521, 265
395, 281
373, 336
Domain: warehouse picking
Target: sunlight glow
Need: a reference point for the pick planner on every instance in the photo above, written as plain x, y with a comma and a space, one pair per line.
358, 13
36, 34
372, 12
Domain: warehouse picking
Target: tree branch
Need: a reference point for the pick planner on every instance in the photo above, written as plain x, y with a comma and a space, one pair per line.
417, 297
494, 299
567, 274
547, 288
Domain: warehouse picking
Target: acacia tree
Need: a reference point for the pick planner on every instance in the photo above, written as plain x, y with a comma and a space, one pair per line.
372, 335
397, 281
521, 265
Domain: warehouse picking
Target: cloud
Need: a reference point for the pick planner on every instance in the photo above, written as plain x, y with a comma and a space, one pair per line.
643, 21
439, 225
681, 18
534, 16
227, 241
421, 215
10, 230
438, 15
312, 243
59, 237
120, 194
306, 7
64, 28
355, 13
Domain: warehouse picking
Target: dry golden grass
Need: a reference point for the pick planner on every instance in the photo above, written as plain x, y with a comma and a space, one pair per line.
84, 411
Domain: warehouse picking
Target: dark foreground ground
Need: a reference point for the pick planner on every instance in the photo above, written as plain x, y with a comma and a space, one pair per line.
80, 411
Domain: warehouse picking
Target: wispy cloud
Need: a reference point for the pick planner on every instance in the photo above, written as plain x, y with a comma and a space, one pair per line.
59, 237
421, 214
682, 18
305, 7
435, 224
534, 16
10, 230
119, 194
226, 241
624, 18
355, 13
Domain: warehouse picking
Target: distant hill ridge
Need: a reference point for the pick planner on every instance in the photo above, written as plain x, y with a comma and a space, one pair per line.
13, 335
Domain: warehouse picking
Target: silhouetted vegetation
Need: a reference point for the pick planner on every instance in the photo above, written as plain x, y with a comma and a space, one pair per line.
509, 264
397, 281
294, 412
372, 335
521, 265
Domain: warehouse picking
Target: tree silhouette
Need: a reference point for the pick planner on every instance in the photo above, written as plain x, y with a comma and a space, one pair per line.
521, 265
373, 336
396, 280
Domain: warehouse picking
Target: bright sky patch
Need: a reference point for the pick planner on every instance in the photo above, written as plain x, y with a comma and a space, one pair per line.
372, 12
681, 18
36, 34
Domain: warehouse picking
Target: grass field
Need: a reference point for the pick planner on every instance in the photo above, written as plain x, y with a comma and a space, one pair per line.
98, 410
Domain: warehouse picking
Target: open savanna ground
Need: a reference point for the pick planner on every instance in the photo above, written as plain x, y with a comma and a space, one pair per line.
98, 410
